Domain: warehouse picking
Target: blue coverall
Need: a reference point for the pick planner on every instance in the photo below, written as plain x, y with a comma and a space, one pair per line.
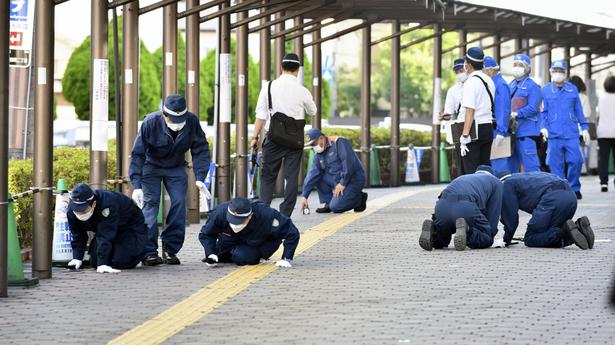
525, 98
550, 201
266, 230
338, 163
561, 116
159, 157
120, 233
478, 199
502, 117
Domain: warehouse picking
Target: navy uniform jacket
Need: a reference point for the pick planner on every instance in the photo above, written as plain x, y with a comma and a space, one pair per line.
523, 192
154, 145
115, 213
267, 224
502, 105
338, 160
480, 187
527, 93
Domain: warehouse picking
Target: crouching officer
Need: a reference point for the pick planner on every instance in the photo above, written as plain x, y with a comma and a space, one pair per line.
119, 229
552, 204
245, 233
470, 208
336, 173
158, 156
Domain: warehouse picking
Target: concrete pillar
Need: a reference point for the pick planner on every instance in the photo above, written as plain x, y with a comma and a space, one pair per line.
169, 50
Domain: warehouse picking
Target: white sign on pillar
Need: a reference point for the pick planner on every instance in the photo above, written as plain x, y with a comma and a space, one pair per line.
100, 105
437, 89
225, 88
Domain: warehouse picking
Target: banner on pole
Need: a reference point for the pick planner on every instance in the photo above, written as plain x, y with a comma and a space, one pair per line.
412, 167
100, 105
61, 251
225, 88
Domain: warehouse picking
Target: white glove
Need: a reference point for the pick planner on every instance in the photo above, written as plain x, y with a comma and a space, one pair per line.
106, 269
283, 263
201, 186
498, 244
586, 137
513, 114
464, 150
74, 263
211, 261
545, 134
137, 196
464, 140
499, 139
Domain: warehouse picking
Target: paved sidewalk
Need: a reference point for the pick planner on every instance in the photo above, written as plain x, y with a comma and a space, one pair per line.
369, 283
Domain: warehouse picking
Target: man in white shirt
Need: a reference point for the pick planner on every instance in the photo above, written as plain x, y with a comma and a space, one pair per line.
290, 97
476, 111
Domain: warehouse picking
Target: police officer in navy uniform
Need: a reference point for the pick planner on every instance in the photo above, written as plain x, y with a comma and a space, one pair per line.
244, 233
470, 208
336, 173
552, 204
158, 156
120, 233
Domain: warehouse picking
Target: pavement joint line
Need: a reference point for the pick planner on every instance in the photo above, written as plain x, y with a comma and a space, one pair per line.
198, 305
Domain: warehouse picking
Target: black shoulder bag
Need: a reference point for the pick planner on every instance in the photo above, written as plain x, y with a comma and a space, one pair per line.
283, 129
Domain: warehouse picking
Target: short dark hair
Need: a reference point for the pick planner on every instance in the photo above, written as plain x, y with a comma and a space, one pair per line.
578, 82
475, 64
290, 66
609, 84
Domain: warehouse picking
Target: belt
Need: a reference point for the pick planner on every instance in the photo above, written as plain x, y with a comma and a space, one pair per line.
454, 197
557, 186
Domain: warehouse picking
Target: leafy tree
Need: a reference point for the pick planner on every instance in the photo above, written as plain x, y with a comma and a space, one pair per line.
76, 79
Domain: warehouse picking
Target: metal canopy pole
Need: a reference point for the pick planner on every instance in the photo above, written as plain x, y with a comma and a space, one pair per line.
192, 102
265, 51
419, 40
364, 24
243, 6
497, 48
437, 80
118, 103
298, 48
278, 46
479, 38
567, 59
241, 113
130, 78
317, 79
463, 42
548, 62
169, 49
395, 105
4, 146
366, 60
42, 226
223, 138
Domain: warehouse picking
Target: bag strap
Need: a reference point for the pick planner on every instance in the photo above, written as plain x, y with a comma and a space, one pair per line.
488, 92
270, 103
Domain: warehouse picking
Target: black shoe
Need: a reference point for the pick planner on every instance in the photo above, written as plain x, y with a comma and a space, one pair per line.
324, 209
579, 195
571, 230
152, 260
461, 234
604, 188
170, 259
363, 205
585, 228
427, 234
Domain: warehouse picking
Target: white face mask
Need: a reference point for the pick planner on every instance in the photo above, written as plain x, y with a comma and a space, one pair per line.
84, 216
318, 149
176, 127
558, 77
237, 228
461, 77
518, 72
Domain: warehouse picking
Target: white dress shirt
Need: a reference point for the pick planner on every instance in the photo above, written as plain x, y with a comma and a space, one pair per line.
475, 96
452, 102
288, 97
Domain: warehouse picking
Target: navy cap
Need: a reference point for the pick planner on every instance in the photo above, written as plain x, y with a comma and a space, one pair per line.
175, 108
502, 175
490, 63
558, 64
485, 168
291, 58
522, 58
457, 64
475, 54
238, 210
313, 134
81, 197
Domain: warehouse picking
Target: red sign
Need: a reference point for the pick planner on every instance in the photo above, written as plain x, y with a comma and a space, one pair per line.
16, 39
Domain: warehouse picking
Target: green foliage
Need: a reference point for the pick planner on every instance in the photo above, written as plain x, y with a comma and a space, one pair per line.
76, 79
381, 136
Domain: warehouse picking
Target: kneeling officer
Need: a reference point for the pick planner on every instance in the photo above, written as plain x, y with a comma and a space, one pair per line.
552, 204
336, 173
120, 233
470, 208
245, 233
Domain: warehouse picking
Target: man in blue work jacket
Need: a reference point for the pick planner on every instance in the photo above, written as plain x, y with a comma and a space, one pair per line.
502, 110
120, 233
158, 157
562, 115
336, 173
525, 103
468, 207
244, 233
552, 205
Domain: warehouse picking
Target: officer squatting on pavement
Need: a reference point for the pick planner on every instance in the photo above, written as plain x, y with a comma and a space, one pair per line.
244, 233
120, 233
158, 156
336, 173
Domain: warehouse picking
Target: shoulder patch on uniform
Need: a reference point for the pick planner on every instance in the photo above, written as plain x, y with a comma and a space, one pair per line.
106, 212
275, 223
